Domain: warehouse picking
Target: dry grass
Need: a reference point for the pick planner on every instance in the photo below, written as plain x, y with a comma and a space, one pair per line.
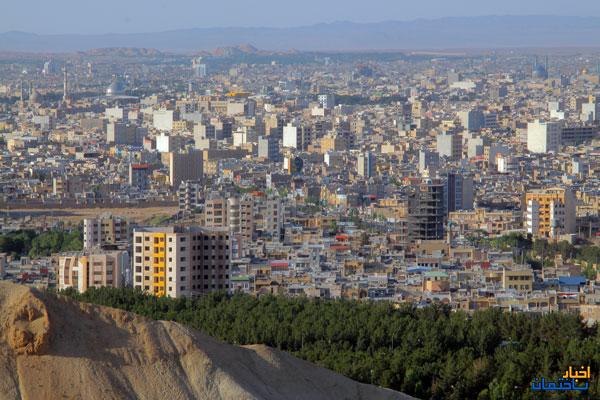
72, 216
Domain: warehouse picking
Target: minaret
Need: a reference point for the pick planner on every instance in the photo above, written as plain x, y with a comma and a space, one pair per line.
21, 91
65, 85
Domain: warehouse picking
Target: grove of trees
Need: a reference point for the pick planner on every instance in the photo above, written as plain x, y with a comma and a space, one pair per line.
28, 242
430, 352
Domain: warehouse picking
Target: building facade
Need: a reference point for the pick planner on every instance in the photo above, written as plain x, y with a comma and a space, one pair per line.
181, 261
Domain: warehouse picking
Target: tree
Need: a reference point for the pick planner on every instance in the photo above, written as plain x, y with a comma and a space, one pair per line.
429, 352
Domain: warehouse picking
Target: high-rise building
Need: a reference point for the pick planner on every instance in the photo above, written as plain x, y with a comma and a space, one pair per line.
297, 136
472, 120
198, 68
590, 112
326, 101
449, 145
91, 268
126, 134
240, 217
269, 218
543, 136
105, 230
428, 161
49, 68
268, 148
234, 213
458, 192
163, 120
190, 195
576, 135
139, 174
366, 164
426, 210
185, 166
116, 114
291, 136
550, 212
181, 261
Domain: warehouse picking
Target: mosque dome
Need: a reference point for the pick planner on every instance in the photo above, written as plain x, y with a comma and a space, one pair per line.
116, 88
539, 72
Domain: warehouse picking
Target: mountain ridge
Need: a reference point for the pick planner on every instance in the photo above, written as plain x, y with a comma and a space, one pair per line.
494, 31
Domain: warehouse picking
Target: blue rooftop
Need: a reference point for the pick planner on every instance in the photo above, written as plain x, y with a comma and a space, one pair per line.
572, 280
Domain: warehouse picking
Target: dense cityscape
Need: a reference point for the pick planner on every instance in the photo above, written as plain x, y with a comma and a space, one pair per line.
424, 179
255, 195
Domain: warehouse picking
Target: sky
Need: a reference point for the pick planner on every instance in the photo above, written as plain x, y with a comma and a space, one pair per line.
133, 16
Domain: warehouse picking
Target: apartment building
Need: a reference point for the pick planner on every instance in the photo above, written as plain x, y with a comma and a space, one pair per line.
426, 210
181, 261
543, 136
190, 195
268, 217
104, 230
91, 268
234, 213
493, 222
550, 212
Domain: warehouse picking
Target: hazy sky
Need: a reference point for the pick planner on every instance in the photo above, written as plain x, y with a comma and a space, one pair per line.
103, 16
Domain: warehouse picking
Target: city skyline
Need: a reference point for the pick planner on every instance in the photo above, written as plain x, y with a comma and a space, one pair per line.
409, 201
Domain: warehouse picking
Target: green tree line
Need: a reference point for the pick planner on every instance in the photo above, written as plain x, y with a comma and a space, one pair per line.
431, 352
542, 252
28, 242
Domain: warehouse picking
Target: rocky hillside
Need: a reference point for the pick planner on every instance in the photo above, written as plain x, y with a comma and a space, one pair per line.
54, 348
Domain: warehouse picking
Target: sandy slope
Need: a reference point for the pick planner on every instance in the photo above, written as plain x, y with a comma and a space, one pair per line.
59, 349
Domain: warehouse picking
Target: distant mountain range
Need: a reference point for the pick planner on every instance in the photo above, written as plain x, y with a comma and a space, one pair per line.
443, 33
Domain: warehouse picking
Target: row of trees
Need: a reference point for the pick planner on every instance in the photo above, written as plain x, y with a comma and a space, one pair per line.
541, 252
430, 353
28, 242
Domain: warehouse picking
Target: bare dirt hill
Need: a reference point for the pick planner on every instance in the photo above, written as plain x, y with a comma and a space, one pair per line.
55, 348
